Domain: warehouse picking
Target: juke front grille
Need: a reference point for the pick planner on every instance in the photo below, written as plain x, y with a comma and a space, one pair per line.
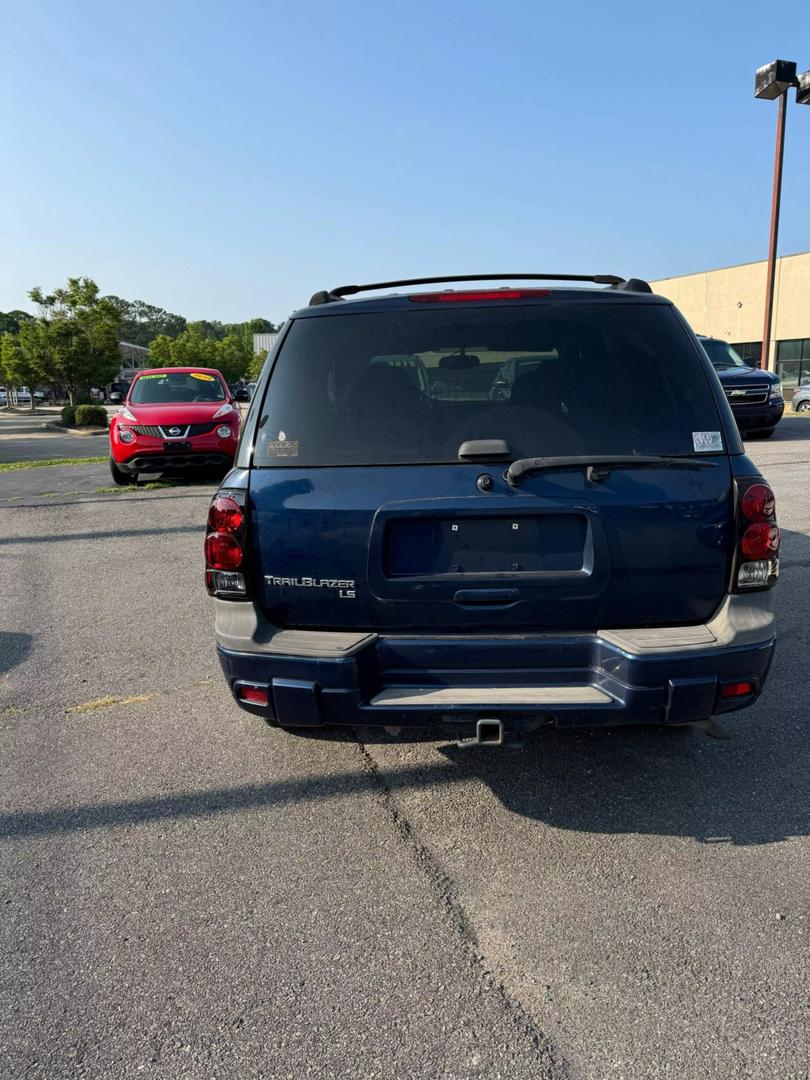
186, 432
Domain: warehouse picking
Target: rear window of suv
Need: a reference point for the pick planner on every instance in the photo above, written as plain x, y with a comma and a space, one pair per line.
410, 386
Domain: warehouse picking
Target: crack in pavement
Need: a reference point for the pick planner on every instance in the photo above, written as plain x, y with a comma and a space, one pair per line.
443, 888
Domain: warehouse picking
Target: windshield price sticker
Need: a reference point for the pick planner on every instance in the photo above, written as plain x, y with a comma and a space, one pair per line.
707, 442
205, 378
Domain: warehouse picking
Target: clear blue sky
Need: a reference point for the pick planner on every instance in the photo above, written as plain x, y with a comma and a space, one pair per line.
225, 160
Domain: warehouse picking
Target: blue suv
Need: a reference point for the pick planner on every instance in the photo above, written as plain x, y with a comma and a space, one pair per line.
398, 547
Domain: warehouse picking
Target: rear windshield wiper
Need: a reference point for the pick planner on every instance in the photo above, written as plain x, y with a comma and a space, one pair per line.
599, 466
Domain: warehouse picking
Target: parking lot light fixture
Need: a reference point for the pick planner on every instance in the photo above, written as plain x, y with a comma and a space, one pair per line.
773, 82
803, 88
774, 79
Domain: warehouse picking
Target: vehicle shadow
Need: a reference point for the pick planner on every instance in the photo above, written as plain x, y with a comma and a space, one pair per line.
789, 429
752, 789
14, 648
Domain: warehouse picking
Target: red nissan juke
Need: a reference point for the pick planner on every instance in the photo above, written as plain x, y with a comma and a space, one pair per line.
174, 420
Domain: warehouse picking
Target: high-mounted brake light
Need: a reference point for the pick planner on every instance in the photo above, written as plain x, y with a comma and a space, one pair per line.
453, 297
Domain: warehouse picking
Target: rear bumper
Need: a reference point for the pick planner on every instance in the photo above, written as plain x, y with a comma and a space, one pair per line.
757, 417
667, 676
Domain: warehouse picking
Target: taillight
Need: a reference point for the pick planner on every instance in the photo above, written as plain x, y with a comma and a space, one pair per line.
223, 552
758, 503
760, 541
757, 562
225, 514
471, 295
225, 543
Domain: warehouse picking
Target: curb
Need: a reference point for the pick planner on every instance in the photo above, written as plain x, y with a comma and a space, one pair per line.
77, 431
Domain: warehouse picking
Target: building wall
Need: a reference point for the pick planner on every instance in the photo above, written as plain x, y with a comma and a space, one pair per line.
133, 359
263, 341
730, 303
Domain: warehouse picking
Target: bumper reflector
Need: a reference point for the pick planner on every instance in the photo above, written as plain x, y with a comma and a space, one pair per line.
737, 689
255, 695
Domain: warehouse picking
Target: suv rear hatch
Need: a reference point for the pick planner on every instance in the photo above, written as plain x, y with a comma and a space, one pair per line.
363, 514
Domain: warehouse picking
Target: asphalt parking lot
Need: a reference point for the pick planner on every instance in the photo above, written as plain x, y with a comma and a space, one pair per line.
187, 893
30, 437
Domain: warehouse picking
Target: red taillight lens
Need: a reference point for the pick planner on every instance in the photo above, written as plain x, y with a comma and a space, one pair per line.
225, 515
760, 541
222, 552
758, 503
737, 689
476, 294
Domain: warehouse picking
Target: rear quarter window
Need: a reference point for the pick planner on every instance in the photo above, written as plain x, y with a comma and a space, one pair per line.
409, 386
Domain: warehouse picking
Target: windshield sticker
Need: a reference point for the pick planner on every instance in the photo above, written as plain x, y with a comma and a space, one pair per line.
707, 442
282, 446
161, 376
199, 375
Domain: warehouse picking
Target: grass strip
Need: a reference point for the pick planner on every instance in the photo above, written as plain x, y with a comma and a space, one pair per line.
153, 485
13, 466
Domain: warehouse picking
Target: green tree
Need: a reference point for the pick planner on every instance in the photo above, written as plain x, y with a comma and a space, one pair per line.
75, 339
234, 354
257, 362
231, 355
18, 364
10, 321
160, 351
141, 323
6, 345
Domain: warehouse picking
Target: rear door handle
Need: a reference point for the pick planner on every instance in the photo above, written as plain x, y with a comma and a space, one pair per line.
486, 596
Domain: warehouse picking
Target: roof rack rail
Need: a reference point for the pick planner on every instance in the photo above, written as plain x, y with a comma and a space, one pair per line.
327, 297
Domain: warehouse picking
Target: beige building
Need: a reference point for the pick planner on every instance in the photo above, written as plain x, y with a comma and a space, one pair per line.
730, 304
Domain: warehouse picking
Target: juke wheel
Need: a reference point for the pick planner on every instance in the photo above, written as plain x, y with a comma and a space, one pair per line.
121, 478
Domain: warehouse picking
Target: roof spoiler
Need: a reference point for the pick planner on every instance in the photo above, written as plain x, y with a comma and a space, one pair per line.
632, 284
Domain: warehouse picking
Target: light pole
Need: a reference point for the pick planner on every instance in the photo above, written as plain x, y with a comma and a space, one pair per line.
773, 81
